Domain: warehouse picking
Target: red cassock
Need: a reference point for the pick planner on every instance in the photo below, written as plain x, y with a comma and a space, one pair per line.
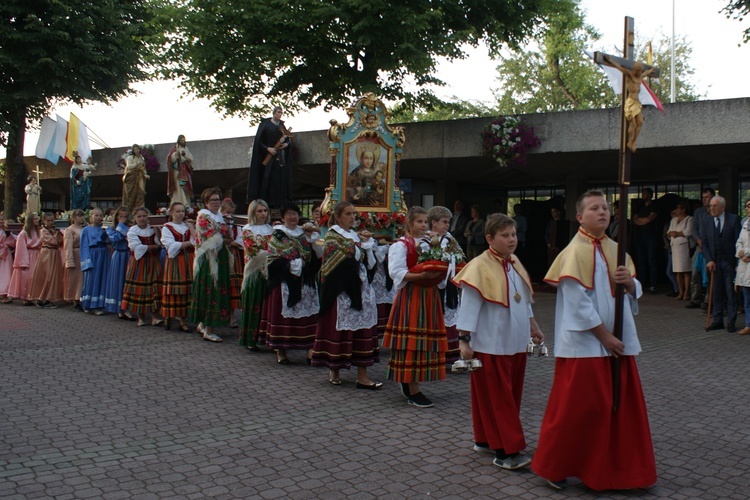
582, 437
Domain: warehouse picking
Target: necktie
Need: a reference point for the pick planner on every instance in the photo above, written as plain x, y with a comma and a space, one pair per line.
718, 224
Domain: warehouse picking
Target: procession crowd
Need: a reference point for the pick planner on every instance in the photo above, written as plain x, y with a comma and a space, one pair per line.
341, 298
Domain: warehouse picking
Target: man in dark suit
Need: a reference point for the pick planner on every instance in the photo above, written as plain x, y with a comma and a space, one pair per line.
458, 224
718, 236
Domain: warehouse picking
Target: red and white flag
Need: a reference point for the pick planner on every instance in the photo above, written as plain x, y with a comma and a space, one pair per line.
646, 95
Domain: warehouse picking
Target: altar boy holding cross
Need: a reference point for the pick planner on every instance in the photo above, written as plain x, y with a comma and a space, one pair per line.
581, 435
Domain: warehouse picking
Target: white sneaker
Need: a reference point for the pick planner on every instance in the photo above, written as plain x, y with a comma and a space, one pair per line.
512, 463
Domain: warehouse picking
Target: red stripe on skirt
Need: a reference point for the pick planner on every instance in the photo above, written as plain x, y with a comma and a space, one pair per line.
285, 333
582, 437
337, 349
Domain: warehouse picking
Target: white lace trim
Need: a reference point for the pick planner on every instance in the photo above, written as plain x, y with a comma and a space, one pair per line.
382, 294
305, 308
350, 319
450, 316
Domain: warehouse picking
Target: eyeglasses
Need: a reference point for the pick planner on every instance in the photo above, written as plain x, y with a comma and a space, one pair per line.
214, 199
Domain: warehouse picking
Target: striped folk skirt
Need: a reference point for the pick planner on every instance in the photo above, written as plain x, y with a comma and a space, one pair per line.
285, 333
176, 286
337, 349
142, 291
415, 334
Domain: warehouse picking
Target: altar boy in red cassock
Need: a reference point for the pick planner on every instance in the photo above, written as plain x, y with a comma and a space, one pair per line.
581, 435
495, 323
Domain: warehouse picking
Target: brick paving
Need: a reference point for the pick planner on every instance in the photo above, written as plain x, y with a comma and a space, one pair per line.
94, 407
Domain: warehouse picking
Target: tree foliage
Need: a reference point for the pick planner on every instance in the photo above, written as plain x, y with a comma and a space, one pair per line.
246, 55
739, 9
556, 75
64, 50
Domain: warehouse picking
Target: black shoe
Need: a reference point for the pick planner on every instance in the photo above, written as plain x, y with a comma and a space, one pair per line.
168, 324
652, 290
716, 325
692, 305
673, 294
420, 400
405, 390
731, 328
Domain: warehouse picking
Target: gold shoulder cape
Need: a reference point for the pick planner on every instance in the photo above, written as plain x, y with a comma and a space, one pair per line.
486, 274
576, 261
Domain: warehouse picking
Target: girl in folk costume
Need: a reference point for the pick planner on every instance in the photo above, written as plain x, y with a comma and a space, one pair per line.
255, 236
7, 244
290, 311
118, 235
28, 245
73, 276
238, 257
94, 263
347, 333
210, 304
178, 268
142, 291
496, 322
439, 221
581, 434
47, 280
415, 332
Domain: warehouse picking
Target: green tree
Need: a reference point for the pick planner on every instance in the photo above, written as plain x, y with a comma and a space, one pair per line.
247, 55
454, 109
556, 75
738, 9
63, 50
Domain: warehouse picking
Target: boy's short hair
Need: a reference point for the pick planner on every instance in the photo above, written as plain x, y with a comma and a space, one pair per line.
436, 213
588, 194
497, 222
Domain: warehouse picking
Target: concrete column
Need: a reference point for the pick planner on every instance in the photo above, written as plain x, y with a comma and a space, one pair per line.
729, 178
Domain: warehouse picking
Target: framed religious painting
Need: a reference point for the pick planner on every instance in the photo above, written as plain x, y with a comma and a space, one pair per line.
365, 157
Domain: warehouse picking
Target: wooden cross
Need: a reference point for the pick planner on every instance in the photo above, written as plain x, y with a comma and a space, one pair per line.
631, 120
37, 172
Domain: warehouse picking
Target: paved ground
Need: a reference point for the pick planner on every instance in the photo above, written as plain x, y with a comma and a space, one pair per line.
93, 407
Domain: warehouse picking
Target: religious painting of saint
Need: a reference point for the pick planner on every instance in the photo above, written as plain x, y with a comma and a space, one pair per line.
366, 174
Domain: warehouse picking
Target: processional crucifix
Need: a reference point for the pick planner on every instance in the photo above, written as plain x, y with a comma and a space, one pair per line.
631, 121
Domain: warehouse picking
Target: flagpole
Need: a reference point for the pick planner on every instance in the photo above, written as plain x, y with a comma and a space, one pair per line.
673, 89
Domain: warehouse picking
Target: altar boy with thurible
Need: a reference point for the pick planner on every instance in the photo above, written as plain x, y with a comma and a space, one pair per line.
495, 323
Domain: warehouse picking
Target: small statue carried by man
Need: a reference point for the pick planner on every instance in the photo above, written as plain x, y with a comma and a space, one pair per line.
180, 178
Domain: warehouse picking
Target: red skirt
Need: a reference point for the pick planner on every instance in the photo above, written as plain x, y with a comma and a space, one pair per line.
496, 391
285, 333
337, 349
176, 291
142, 291
582, 437
384, 311
453, 352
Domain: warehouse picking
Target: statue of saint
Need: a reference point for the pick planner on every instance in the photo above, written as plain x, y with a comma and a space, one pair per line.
180, 175
633, 78
134, 180
80, 184
270, 176
33, 195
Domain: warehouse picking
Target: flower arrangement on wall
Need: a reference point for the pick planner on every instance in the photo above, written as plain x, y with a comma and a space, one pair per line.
507, 140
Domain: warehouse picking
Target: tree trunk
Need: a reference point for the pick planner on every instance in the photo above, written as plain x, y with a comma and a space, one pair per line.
15, 168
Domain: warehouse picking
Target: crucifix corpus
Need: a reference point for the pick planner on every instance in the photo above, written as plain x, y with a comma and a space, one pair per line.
631, 121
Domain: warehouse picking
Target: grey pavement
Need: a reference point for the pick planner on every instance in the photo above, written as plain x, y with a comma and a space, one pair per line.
95, 407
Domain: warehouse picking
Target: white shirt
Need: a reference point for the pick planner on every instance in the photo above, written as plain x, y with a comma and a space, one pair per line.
167, 238
578, 310
496, 329
134, 242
